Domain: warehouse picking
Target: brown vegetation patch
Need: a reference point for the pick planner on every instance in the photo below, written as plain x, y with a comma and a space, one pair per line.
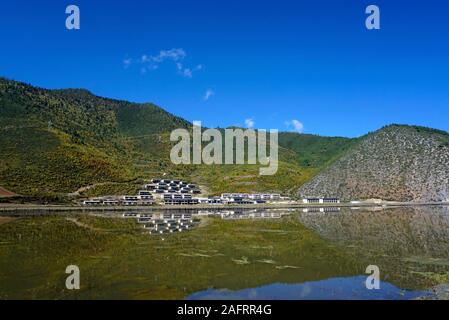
4, 220
6, 193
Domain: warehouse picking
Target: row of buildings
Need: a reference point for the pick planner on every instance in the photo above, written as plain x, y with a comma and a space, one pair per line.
177, 199
179, 192
144, 198
162, 190
320, 200
254, 196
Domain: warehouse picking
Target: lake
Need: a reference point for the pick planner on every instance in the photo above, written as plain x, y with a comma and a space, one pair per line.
240, 254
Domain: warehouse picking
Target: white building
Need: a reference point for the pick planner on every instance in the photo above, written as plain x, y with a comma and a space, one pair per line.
92, 202
130, 198
320, 200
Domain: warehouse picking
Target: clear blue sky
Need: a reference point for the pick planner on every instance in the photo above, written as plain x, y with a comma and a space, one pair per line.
269, 61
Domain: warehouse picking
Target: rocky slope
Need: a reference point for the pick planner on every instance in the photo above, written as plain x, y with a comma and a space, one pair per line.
398, 163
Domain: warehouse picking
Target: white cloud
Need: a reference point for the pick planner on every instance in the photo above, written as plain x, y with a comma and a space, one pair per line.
185, 72
209, 93
249, 123
127, 62
173, 54
296, 125
152, 62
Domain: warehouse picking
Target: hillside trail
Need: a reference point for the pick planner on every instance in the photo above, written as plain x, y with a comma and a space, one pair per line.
85, 188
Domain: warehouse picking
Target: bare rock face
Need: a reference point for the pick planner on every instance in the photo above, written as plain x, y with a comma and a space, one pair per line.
396, 163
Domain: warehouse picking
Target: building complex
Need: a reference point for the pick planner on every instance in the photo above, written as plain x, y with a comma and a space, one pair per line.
179, 192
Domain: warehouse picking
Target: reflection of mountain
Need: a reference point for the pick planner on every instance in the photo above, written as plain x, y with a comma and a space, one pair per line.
404, 231
396, 238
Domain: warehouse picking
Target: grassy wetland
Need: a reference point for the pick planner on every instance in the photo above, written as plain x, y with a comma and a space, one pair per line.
117, 260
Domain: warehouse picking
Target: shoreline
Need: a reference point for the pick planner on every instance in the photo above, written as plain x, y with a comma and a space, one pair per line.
5, 208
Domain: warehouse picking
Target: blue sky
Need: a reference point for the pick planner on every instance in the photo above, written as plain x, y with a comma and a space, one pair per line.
269, 61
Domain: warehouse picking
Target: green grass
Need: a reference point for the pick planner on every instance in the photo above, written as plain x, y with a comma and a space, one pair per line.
125, 188
36, 161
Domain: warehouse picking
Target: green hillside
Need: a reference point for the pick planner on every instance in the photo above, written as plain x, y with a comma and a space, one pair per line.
54, 142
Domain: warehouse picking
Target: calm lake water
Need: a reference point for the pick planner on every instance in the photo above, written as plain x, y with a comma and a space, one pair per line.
245, 254
334, 288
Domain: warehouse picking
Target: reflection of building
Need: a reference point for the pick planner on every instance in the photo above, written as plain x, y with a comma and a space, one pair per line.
320, 200
163, 222
324, 209
255, 215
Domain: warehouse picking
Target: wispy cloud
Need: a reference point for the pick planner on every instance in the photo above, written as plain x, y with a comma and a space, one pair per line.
295, 125
172, 54
152, 62
209, 93
127, 62
249, 123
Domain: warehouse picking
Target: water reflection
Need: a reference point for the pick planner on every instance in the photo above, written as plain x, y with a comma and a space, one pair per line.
242, 254
335, 288
246, 214
405, 231
409, 244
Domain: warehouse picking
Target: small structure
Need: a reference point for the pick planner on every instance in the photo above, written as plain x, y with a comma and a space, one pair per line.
130, 198
331, 200
320, 200
144, 193
253, 196
324, 209
93, 202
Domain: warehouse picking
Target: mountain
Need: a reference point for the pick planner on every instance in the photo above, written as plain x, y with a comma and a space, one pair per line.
59, 142
56, 144
397, 162
56, 141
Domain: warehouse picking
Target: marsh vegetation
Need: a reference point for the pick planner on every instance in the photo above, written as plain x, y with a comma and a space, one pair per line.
118, 260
